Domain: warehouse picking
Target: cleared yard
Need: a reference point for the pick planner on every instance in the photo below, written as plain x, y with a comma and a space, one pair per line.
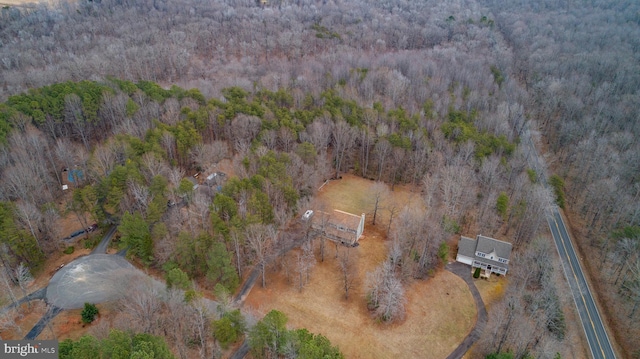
440, 311
353, 194
491, 290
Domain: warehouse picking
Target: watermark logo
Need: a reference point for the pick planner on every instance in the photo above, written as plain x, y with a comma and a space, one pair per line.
32, 349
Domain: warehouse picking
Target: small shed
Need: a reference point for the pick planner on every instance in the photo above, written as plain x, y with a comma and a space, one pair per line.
72, 176
215, 179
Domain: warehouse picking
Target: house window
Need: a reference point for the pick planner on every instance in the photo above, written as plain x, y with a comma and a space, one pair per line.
502, 260
480, 254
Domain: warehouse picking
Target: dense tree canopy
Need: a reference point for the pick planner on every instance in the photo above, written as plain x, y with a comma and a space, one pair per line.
118, 344
271, 339
450, 96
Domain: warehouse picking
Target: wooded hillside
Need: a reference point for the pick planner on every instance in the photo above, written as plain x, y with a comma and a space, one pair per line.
440, 95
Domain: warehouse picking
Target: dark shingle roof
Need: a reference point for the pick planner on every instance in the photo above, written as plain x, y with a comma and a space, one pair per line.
488, 245
467, 247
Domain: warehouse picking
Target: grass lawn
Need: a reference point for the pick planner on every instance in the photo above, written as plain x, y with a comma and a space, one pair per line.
439, 311
353, 194
491, 290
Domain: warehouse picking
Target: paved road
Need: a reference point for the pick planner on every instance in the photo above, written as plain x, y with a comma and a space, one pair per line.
247, 286
462, 271
597, 338
52, 311
241, 352
594, 330
38, 294
104, 243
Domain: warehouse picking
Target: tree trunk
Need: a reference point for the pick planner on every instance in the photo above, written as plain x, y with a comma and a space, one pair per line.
236, 243
375, 210
635, 306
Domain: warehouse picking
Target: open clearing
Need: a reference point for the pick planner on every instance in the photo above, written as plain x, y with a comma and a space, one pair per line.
439, 312
353, 194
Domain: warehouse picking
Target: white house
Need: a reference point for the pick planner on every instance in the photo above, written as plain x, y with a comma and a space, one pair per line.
483, 252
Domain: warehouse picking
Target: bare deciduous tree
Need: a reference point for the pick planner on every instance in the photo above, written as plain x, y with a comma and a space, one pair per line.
50, 226
305, 260
260, 238
6, 283
175, 176
103, 159
199, 320
269, 139
348, 271
31, 217
382, 149
74, 115
322, 219
238, 250
343, 140
286, 139
631, 286
8, 321
207, 154
140, 195
379, 192
24, 277
142, 303
385, 293
243, 130
153, 166
319, 134
456, 186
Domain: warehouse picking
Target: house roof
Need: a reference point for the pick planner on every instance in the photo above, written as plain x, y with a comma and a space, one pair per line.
337, 219
345, 219
467, 246
488, 245
192, 180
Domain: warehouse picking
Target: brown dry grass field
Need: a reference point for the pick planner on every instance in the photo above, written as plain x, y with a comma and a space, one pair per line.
352, 194
491, 290
68, 324
440, 310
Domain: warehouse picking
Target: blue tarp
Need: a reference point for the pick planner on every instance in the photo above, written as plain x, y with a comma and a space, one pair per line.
72, 175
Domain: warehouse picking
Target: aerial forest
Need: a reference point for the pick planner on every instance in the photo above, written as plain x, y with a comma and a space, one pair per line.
475, 104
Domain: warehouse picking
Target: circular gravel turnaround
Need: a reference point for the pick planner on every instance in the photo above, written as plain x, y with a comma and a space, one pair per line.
96, 278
